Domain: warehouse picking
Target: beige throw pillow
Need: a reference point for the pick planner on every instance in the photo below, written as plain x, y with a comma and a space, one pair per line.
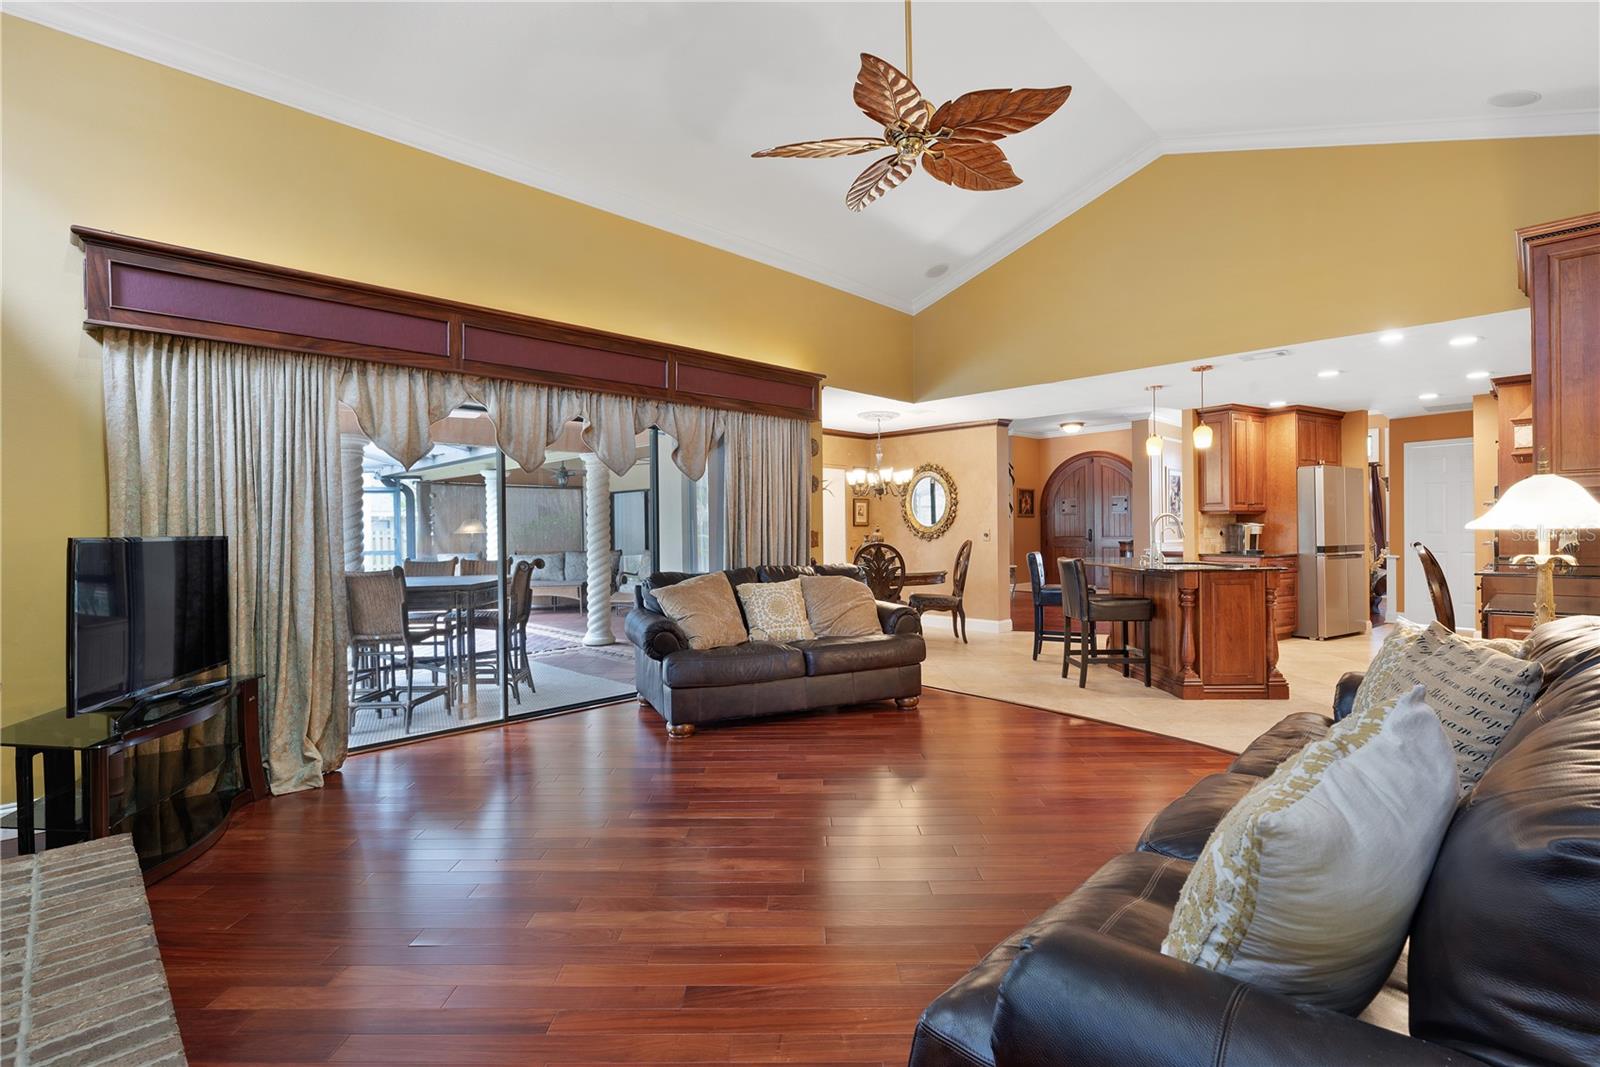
1307, 886
840, 606
776, 611
704, 609
1476, 689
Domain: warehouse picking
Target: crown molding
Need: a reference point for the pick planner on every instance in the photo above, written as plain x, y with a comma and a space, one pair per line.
103, 28
1468, 128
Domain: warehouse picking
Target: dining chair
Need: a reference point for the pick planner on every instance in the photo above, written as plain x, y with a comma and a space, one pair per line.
478, 568
883, 568
384, 637
951, 601
430, 568
1044, 595
1444, 608
1080, 604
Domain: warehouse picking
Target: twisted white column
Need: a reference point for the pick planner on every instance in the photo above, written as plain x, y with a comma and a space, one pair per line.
597, 543
491, 514
350, 458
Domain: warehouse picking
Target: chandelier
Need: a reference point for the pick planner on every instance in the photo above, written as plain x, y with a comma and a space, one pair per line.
879, 480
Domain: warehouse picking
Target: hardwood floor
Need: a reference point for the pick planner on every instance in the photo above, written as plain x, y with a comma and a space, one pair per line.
581, 890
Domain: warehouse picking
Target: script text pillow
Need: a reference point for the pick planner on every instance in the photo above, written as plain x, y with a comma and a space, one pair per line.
704, 609
1476, 689
775, 611
1307, 886
838, 606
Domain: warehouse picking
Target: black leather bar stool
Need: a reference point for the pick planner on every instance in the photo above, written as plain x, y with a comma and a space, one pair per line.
1082, 605
1044, 595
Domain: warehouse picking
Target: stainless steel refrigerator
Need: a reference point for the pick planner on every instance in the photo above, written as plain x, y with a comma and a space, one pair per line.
1332, 556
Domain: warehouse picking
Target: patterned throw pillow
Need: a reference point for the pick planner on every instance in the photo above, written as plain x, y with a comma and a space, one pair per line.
776, 611
704, 609
1477, 690
837, 606
1307, 886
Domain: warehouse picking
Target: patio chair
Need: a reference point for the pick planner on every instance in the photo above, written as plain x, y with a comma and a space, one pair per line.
384, 636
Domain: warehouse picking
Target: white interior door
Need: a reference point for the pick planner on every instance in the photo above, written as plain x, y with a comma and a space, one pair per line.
1438, 505
834, 505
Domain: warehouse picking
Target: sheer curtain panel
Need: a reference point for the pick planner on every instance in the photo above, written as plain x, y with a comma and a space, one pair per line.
210, 438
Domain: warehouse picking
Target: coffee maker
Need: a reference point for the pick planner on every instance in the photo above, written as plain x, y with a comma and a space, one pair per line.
1242, 538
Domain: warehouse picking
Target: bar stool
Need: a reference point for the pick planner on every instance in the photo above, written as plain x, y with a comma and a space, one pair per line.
1082, 605
1043, 596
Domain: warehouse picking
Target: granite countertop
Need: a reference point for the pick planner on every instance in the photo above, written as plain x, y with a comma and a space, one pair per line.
1125, 563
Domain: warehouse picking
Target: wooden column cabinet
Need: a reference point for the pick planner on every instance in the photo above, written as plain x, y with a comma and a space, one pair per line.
1233, 476
1559, 268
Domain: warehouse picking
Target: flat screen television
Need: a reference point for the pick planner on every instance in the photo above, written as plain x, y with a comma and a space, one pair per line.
147, 620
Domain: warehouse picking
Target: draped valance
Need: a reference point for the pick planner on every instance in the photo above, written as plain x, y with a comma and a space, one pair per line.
395, 407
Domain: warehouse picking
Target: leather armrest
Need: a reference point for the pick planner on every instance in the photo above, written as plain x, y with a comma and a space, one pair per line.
898, 618
1344, 694
654, 633
1075, 995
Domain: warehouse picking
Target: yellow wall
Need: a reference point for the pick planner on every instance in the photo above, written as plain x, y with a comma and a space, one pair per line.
975, 458
1209, 254
97, 137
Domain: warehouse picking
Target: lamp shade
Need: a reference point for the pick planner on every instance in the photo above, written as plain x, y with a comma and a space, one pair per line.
1542, 501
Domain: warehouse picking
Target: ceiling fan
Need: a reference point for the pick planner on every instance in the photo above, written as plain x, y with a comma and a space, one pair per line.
955, 142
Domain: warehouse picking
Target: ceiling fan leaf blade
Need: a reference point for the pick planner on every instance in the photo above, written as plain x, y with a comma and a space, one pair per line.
829, 148
881, 176
990, 114
979, 166
888, 97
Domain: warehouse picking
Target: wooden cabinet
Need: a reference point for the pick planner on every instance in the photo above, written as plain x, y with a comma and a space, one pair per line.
1233, 471
1559, 269
1319, 439
1516, 627
1286, 605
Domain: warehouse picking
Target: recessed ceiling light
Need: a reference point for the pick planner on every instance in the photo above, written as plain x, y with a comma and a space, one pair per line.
1277, 403
1516, 98
1427, 396
937, 270
1327, 374
1071, 427
1392, 337
1477, 375
1464, 341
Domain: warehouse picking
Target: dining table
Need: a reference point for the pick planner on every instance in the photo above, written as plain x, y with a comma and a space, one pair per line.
463, 595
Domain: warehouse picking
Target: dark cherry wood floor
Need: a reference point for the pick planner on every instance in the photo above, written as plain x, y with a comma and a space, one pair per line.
580, 890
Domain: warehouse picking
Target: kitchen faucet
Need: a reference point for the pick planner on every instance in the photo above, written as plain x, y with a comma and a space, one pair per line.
1153, 556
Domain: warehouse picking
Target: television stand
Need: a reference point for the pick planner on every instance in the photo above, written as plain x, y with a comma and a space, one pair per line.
171, 782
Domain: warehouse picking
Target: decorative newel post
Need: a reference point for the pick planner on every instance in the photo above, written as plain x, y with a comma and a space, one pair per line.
597, 543
351, 447
491, 514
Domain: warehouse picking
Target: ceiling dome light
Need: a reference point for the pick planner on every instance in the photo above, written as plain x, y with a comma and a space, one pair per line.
1464, 341
938, 270
1477, 375
1427, 396
1327, 374
1071, 427
1516, 98
1391, 337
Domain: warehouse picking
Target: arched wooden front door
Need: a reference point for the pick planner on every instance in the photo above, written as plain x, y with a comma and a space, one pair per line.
1087, 508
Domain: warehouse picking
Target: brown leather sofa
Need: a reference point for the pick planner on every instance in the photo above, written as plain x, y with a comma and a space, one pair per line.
690, 688
1502, 966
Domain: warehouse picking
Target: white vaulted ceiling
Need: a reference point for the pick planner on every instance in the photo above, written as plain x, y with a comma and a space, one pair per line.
651, 110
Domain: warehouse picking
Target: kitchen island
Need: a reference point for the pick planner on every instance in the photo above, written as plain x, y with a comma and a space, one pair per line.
1212, 636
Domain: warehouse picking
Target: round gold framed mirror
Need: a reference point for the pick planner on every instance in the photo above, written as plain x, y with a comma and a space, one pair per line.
929, 504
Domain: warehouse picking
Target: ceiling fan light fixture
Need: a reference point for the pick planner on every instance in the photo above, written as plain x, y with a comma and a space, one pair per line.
955, 143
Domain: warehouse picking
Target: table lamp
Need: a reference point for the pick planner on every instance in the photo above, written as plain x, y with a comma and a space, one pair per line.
1543, 503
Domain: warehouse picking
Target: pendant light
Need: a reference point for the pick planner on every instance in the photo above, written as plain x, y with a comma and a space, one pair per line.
1202, 431
1153, 444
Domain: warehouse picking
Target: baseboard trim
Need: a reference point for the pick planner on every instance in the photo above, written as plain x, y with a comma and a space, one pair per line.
990, 626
